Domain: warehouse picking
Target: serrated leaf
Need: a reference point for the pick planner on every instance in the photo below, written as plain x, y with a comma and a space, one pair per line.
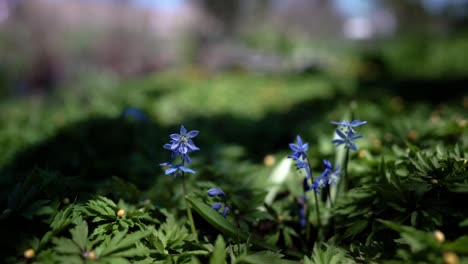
460, 245
121, 241
80, 233
355, 228
262, 259
219, 253
66, 246
416, 239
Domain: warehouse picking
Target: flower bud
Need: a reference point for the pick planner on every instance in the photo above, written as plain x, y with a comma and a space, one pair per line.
451, 258
29, 253
215, 192
217, 206
121, 212
439, 236
269, 160
225, 211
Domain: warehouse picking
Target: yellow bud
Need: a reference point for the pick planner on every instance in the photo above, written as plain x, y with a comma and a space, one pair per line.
462, 122
439, 236
434, 181
451, 258
66, 200
362, 153
269, 160
29, 253
92, 255
412, 134
121, 212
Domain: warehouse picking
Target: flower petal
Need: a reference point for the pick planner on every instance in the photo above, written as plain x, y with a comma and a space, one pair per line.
338, 142
294, 147
352, 146
175, 137
217, 206
188, 170
340, 134
215, 192
171, 170
183, 131
192, 133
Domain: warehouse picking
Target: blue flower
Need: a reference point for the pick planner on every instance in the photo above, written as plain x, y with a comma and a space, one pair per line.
134, 113
217, 206
301, 164
174, 168
216, 192
182, 143
301, 202
299, 149
225, 211
346, 139
320, 182
349, 125
328, 176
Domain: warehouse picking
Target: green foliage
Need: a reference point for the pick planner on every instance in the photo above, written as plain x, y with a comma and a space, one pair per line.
83, 186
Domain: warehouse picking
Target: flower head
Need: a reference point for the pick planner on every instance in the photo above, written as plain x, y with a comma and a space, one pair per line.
182, 143
213, 192
217, 206
346, 139
175, 168
328, 176
349, 125
299, 149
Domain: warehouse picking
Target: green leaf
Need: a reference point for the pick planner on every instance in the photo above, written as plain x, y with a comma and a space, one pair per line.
416, 239
121, 241
66, 246
264, 257
223, 225
80, 233
460, 245
219, 252
356, 228
215, 219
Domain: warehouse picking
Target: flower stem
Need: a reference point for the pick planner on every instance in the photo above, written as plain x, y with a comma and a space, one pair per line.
189, 211
317, 211
345, 171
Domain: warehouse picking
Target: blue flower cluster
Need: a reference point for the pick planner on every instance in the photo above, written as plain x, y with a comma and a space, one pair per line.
180, 145
328, 176
217, 192
301, 205
347, 136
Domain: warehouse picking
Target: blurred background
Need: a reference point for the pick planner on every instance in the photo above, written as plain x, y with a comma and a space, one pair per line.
91, 89
47, 45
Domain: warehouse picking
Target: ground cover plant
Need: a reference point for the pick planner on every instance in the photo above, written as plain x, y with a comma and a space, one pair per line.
282, 169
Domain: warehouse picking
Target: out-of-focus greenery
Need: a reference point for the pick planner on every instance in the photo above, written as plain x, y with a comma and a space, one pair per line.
69, 163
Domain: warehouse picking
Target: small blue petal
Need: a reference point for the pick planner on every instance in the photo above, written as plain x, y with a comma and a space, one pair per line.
215, 192
217, 206
192, 133
183, 131
225, 211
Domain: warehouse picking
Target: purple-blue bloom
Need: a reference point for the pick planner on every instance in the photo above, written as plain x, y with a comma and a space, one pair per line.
346, 139
328, 176
182, 143
299, 149
216, 192
217, 206
174, 168
225, 211
349, 125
